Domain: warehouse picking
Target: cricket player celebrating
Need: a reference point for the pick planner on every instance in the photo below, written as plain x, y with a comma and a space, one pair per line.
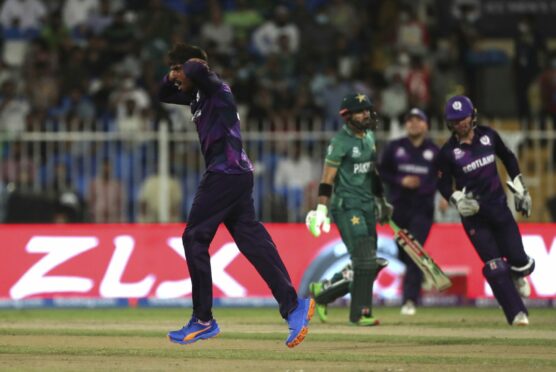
469, 159
224, 196
407, 168
350, 183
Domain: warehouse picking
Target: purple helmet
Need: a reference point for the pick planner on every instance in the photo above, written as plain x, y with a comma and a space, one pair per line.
458, 107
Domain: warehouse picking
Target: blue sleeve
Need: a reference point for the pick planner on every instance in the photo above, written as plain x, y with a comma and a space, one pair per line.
169, 93
506, 155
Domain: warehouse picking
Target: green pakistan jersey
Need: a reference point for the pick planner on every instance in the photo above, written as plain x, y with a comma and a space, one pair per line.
355, 158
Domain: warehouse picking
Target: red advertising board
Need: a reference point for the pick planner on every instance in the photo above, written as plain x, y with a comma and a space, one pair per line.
146, 261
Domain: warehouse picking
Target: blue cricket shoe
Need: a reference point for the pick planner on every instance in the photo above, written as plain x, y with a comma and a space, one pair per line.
298, 321
194, 331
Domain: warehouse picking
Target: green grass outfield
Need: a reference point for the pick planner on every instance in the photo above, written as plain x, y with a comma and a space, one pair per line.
443, 339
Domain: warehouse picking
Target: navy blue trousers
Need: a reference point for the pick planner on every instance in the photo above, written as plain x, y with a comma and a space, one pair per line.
495, 234
418, 221
227, 198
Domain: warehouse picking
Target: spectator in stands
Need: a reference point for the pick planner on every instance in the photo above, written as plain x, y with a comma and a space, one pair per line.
149, 198
76, 13
217, 32
157, 23
119, 37
343, 17
25, 14
530, 49
266, 36
243, 19
17, 165
294, 172
106, 196
547, 83
99, 20
466, 37
417, 83
13, 108
411, 34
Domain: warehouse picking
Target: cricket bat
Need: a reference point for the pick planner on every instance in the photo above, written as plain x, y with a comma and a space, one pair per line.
421, 258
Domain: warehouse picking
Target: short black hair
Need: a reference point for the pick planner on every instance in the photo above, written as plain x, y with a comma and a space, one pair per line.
182, 52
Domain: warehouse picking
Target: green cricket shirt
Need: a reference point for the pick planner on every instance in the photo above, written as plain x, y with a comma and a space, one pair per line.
355, 158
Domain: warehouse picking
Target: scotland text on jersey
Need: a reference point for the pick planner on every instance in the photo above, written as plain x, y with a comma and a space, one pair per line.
479, 163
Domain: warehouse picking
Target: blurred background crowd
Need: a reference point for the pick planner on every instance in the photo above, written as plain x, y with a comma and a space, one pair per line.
82, 131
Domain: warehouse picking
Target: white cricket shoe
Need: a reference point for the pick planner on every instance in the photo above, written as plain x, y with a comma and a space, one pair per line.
520, 319
408, 308
523, 287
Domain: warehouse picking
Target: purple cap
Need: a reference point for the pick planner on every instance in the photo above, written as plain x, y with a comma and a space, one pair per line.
458, 107
418, 113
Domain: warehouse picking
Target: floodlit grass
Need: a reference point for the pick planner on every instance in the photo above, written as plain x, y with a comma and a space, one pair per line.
135, 339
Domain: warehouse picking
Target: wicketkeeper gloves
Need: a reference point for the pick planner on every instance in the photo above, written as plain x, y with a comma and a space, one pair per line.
383, 210
318, 220
522, 199
465, 203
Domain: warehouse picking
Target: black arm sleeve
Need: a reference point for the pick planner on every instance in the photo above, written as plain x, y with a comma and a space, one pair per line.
444, 176
507, 156
378, 188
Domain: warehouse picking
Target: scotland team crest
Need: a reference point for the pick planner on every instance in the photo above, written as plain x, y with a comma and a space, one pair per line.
458, 153
485, 140
428, 154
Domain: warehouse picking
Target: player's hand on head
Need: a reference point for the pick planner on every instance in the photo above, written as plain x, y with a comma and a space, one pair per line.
383, 210
522, 199
317, 220
466, 203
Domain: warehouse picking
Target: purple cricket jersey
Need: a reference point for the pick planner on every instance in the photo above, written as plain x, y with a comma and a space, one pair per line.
473, 166
399, 159
215, 116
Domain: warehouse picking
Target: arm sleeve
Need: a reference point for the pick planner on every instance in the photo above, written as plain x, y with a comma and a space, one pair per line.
168, 93
335, 153
387, 167
506, 155
203, 78
442, 166
378, 188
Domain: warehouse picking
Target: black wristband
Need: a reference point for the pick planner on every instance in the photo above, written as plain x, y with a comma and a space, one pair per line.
325, 189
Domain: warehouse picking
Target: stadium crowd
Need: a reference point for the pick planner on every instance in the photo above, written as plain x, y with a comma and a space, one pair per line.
95, 65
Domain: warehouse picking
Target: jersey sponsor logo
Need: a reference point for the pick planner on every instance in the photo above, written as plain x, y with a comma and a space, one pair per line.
355, 152
458, 153
413, 168
428, 154
479, 163
400, 152
485, 140
361, 168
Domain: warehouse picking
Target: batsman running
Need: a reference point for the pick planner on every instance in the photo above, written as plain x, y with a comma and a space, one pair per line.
469, 159
407, 168
352, 186
224, 196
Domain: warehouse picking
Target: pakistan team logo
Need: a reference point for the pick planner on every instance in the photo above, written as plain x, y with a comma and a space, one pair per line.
355, 152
